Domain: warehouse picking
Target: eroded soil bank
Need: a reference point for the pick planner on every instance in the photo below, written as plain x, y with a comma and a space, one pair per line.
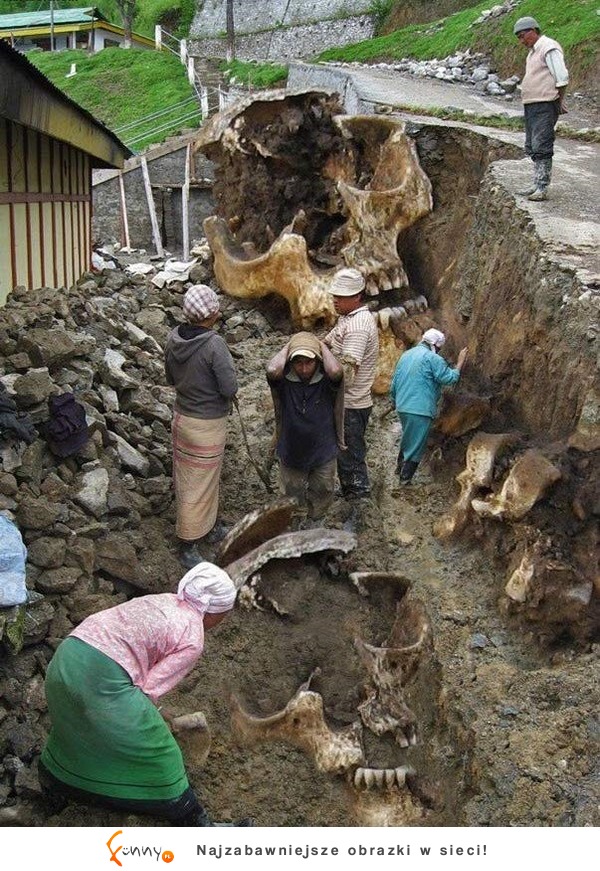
506, 705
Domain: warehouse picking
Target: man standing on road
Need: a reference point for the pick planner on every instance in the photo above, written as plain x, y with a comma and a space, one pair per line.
355, 342
542, 91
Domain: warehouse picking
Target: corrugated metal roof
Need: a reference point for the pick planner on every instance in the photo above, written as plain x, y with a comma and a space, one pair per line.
39, 19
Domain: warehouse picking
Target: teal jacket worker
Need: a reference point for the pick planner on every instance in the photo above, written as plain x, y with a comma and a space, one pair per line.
415, 390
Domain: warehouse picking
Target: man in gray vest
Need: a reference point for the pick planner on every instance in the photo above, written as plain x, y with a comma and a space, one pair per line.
542, 91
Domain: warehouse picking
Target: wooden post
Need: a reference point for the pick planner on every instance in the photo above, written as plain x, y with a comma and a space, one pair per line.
204, 102
191, 70
157, 37
185, 198
183, 52
124, 211
152, 209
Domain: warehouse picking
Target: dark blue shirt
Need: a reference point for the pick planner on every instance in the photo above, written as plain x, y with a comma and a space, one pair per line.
307, 438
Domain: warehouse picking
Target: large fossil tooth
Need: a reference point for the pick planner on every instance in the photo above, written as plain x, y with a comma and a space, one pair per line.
381, 778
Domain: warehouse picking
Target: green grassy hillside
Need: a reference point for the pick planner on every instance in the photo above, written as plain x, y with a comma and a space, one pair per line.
121, 87
574, 23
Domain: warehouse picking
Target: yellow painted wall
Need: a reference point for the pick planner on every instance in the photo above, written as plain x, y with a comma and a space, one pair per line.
42, 243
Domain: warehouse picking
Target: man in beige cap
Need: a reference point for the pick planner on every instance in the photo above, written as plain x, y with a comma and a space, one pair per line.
355, 342
306, 384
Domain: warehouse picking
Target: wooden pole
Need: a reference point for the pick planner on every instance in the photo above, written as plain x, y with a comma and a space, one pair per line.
51, 25
152, 209
124, 211
185, 198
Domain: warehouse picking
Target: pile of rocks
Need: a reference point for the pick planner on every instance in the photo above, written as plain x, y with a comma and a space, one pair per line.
496, 11
99, 525
463, 67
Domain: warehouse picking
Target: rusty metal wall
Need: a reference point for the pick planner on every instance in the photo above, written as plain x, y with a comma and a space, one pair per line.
45, 210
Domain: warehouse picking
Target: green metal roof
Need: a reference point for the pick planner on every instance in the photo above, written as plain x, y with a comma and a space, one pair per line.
40, 19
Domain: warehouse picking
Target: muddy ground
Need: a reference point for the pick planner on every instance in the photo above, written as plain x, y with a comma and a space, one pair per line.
508, 727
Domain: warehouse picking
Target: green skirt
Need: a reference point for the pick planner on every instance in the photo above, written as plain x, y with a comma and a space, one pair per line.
107, 737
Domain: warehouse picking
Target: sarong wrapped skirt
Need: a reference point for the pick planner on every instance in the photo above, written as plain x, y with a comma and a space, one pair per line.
107, 737
198, 450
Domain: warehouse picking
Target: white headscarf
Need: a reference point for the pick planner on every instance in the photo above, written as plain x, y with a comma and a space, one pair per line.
208, 589
434, 337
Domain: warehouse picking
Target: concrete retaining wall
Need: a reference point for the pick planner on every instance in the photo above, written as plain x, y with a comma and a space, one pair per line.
251, 16
331, 80
287, 43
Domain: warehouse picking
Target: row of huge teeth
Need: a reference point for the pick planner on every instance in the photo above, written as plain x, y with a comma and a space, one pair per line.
381, 778
384, 280
399, 312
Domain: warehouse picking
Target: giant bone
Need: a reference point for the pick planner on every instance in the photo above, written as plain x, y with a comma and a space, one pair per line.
545, 589
399, 328
527, 482
302, 724
479, 467
255, 528
193, 736
290, 545
368, 177
392, 667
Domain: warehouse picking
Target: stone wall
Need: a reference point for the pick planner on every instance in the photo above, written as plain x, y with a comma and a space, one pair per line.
166, 176
331, 80
251, 16
286, 43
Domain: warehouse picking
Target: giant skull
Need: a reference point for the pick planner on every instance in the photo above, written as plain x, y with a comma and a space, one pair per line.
306, 191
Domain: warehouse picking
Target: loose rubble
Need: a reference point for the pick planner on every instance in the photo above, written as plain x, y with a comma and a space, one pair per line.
462, 67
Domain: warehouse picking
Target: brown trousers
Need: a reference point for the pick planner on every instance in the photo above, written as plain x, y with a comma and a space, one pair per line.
313, 488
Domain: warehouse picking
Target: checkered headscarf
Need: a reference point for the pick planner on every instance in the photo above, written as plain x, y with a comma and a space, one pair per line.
199, 303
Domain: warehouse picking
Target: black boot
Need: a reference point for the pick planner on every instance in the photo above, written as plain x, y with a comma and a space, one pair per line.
409, 467
189, 555
200, 818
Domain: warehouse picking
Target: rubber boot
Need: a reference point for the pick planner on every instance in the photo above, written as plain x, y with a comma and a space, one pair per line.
201, 818
189, 555
409, 467
217, 533
543, 174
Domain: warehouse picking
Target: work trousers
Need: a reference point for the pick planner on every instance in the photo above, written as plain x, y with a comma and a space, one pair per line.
178, 811
540, 121
351, 464
415, 432
312, 488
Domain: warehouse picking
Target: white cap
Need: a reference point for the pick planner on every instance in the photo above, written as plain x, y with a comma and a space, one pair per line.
434, 337
347, 282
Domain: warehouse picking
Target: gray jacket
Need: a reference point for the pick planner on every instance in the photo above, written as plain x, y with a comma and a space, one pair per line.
202, 372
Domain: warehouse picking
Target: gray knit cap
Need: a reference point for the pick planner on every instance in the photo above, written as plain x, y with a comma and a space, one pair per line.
526, 23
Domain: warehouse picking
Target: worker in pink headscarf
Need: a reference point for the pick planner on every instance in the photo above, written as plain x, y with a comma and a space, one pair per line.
109, 744
415, 390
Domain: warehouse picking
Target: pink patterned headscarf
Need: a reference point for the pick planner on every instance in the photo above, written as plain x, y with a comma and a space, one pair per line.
208, 589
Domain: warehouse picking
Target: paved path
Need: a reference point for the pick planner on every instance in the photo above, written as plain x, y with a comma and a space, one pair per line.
569, 222
376, 85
